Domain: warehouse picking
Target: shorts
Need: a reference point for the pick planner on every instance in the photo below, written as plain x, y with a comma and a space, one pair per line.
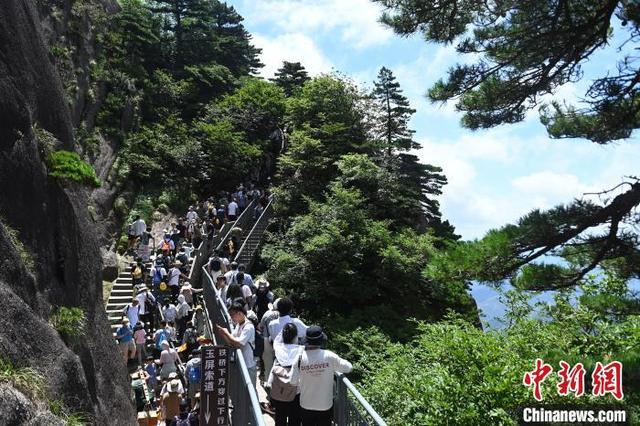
128, 349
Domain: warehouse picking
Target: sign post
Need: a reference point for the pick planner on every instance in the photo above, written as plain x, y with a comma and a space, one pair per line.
214, 384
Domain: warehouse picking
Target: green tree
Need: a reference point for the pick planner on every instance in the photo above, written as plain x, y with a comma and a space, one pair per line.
291, 77
326, 121
522, 50
349, 260
257, 108
181, 17
393, 126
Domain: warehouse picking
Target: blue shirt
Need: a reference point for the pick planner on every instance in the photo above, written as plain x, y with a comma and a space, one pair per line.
124, 334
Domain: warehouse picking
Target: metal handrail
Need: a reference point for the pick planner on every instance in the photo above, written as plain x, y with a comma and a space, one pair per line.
258, 221
253, 409
240, 219
345, 410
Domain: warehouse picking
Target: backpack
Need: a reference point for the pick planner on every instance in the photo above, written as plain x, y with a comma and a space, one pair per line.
137, 272
281, 391
215, 264
194, 374
157, 275
165, 246
258, 350
148, 304
161, 338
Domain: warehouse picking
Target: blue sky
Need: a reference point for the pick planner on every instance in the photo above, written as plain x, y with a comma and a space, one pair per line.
495, 176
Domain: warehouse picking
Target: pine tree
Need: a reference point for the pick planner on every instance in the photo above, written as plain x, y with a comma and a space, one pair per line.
291, 76
521, 51
392, 128
178, 16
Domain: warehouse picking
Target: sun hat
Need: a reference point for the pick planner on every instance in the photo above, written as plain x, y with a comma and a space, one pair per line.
315, 336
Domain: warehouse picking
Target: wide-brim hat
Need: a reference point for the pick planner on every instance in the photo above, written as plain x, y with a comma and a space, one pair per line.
315, 336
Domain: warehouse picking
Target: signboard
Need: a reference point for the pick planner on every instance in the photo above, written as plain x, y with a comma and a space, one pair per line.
214, 381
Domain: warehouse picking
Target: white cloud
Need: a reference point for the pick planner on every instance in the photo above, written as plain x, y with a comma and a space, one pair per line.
356, 21
292, 47
549, 185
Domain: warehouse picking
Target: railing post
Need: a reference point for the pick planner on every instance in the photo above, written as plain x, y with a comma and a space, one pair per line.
339, 404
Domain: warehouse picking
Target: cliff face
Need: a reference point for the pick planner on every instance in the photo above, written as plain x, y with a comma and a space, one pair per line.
50, 255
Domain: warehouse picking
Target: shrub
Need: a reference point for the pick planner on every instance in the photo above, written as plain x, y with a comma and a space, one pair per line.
69, 322
69, 165
70, 419
25, 255
25, 379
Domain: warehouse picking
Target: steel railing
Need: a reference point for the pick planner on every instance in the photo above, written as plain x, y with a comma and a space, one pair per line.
246, 408
247, 251
245, 218
350, 408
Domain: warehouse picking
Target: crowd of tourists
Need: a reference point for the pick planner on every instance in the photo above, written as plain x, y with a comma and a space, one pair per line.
163, 326
295, 370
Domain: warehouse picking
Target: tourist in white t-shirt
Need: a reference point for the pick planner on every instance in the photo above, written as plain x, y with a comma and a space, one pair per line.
243, 336
232, 211
313, 373
284, 307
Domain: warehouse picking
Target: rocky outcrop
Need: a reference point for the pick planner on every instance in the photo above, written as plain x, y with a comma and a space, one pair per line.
50, 256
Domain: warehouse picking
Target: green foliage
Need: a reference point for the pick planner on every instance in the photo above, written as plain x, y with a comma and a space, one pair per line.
454, 373
526, 49
21, 249
256, 108
70, 419
25, 379
46, 141
69, 322
346, 255
392, 128
68, 165
291, 77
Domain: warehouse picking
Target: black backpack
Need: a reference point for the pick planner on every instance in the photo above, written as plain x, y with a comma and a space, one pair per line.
258, 349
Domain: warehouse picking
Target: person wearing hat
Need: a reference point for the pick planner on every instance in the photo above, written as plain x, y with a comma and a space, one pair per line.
147, 303
170, 400
198, 320
263, 298
168, 359
124, 334
242, 337
140, 339
187, 290
313, 373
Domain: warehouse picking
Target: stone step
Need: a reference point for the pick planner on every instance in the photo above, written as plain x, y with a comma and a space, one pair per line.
119, 299
119, 285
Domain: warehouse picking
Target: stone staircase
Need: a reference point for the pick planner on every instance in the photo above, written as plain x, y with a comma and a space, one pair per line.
121, 295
